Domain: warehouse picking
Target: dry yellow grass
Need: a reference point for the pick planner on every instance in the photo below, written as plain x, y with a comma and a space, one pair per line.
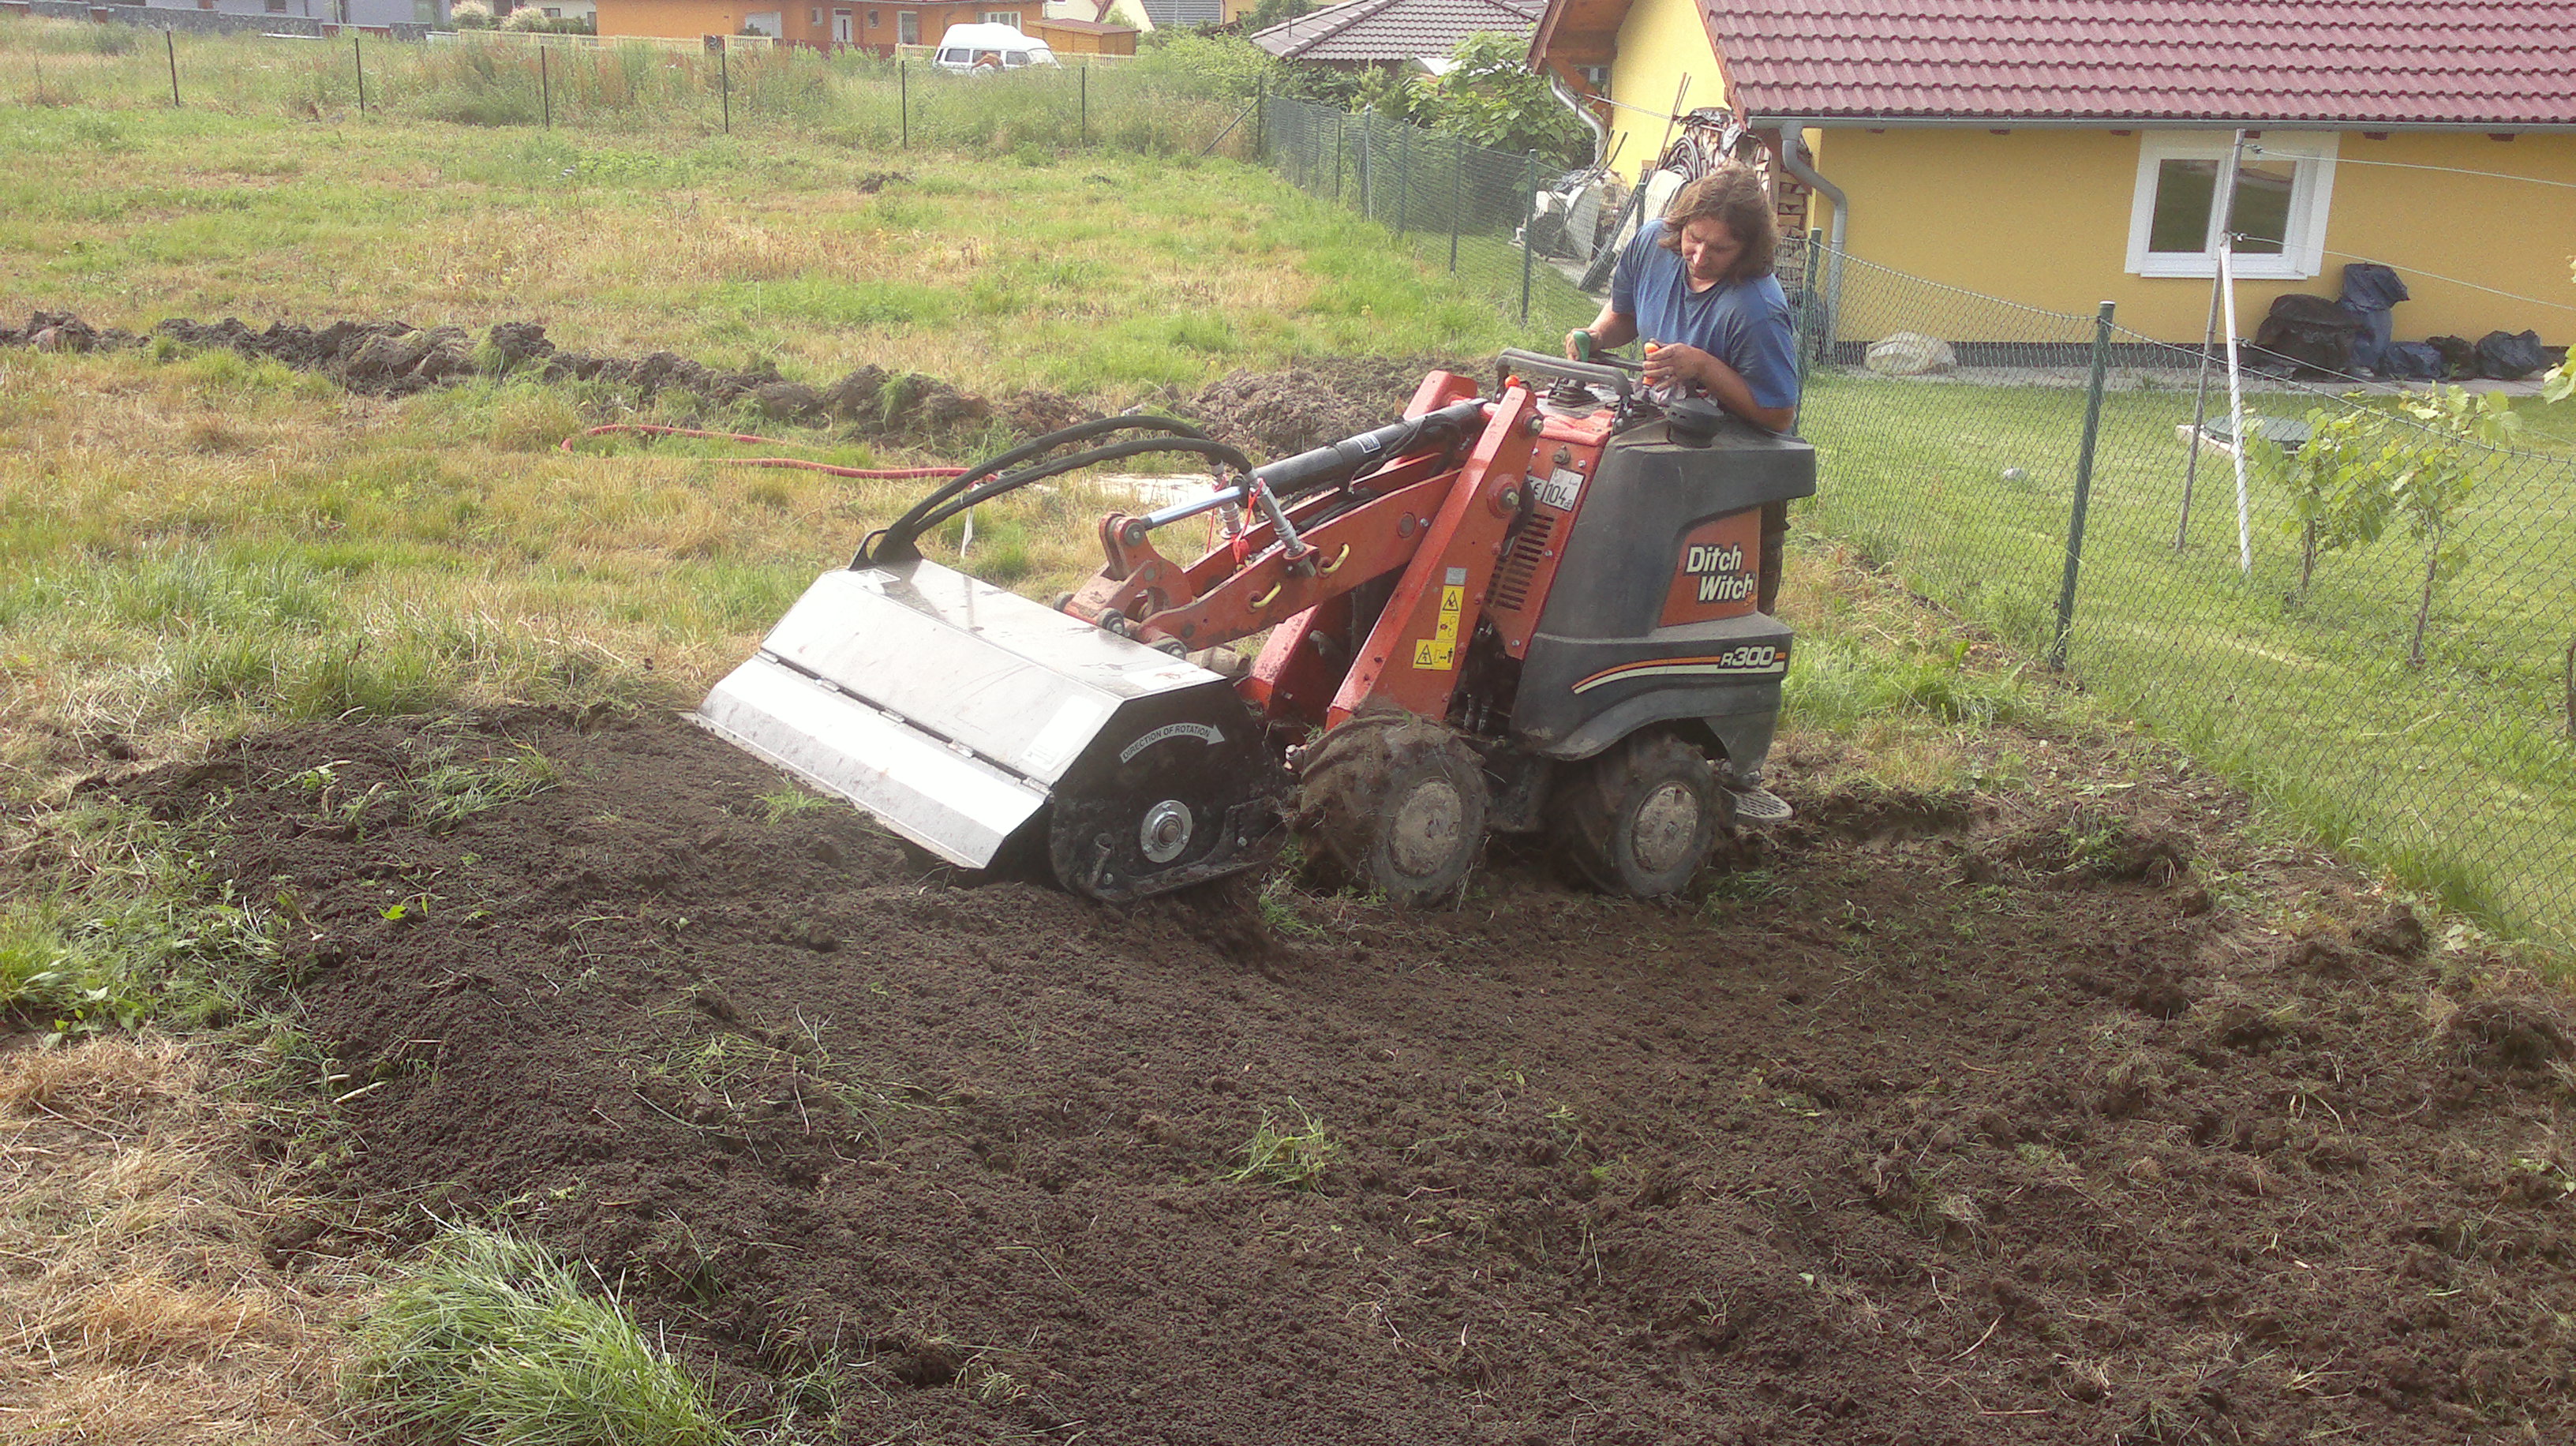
136, 1301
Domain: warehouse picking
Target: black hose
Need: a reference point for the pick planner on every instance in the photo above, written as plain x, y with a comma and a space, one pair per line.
1074, 462
894, 541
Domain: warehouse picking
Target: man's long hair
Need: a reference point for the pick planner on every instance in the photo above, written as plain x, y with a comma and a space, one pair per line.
1733, 195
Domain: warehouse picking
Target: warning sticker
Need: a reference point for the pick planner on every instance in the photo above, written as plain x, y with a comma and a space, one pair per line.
1440, 650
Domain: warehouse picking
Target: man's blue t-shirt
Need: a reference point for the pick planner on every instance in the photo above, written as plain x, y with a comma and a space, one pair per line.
1744, 324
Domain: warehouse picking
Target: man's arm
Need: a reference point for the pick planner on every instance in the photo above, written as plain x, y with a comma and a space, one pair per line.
1724, 384
1608, 330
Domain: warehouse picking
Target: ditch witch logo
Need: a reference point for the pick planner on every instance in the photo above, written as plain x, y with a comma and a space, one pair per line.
1720, 571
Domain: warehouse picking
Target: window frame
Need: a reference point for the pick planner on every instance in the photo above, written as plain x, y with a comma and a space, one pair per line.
1010, 18
2312, 157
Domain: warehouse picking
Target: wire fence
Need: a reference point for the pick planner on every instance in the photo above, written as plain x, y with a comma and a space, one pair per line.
502, 79
2409, 688
1458, 207
2406, 685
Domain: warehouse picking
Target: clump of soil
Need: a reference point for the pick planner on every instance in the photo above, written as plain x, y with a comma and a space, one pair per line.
1917, 1130
1269, 414
1279, 414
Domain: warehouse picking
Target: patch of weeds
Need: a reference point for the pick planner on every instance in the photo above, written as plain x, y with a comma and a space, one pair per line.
784, 803
1293, 1160
452, 792
1740, 888
141, 930
1279, 911
488, 1338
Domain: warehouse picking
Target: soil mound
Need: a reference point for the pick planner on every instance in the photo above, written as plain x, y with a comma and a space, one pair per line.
1912, 1133
1279, 414
1270, 414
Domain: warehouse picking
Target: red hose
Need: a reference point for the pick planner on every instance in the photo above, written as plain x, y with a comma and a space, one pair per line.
874, 474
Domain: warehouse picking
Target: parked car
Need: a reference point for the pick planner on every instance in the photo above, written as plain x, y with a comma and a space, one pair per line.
989, 49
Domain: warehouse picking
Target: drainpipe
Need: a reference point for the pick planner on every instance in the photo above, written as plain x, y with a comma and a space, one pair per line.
1566, 97
1800, 162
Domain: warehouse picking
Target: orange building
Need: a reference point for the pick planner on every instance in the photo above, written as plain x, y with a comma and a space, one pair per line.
827, 26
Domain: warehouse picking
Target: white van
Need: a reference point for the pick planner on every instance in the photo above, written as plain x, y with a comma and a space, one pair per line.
967, 49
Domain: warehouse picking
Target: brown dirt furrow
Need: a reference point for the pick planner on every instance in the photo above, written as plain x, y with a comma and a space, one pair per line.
1943, 1120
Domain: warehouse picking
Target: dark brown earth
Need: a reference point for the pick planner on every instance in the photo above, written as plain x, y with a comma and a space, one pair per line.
1965, 1119
1268, 413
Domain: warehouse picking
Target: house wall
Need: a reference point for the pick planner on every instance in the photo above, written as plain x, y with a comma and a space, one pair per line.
1082, 42
802, 21
1658, 44
2042, 218
404, 19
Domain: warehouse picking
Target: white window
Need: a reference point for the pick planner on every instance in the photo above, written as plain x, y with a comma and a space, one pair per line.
907, 28
1010, 18
2284, 186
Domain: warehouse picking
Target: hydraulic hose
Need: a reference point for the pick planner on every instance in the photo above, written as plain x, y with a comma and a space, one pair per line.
895, 540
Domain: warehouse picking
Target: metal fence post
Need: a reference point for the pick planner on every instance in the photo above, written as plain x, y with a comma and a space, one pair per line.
1261, 121
1807, 339
359, 56
172, 46
903, 98
1341, 143
2083, 486
724, 81
1403, 179
546, 87
1529, 223
1457, 174
1083, 136
1368, 162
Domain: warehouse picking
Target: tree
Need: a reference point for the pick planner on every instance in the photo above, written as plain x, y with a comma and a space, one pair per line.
1494, 99
2337, 481
2436, 478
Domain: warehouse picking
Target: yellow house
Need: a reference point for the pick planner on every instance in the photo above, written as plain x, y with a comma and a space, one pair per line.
2061, 153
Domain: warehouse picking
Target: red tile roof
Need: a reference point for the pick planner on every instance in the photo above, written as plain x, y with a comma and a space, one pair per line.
2499, 63
1383, 30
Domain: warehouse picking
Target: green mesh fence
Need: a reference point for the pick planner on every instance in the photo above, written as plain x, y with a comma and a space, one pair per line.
1459, 208
2189, 611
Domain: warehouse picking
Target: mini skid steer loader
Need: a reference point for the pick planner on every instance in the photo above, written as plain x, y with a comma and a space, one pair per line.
1546, 610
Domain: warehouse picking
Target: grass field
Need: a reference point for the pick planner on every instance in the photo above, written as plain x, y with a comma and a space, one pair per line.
2456, 774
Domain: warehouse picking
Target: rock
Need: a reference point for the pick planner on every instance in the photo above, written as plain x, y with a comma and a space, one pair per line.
1910, 354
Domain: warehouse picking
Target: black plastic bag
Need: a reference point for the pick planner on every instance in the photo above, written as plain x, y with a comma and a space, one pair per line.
2413, 361
2309, 331
2369, 290
2459, 359
2369, 286
2508, 356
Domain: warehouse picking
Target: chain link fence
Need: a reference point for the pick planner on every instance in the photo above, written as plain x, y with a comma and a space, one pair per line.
742, 83
2073, 486
1460, 208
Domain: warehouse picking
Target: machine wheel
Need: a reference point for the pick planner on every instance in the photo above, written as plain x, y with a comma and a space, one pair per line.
1397, 803
1641, 818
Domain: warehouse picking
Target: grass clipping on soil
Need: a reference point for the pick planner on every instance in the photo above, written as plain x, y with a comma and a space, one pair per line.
491, 1338
138, 1305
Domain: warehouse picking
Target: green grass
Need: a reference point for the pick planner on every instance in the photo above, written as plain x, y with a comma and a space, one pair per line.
2456, 776
131, 928
487, 1338
1290, 1159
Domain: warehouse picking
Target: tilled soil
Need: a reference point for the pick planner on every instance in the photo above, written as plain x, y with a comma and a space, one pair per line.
1272, 414
1942, 1119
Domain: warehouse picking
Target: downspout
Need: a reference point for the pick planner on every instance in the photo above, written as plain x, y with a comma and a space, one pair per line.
1566, 97
1800, 162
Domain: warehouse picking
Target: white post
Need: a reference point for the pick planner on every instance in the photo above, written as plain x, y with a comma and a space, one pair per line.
2225, 212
